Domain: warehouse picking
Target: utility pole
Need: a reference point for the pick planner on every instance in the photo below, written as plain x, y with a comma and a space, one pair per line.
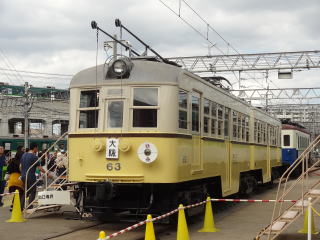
27, 108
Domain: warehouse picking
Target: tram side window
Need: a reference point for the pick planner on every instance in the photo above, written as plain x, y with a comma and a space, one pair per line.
235, 125
183, 109
195, 113
272, 136
206, 115
145, 102
247, 128
243, 132
286, 140
88, 114
239, 126
226, 121
213, 119
220, 120
263, 133
255, 132
259, 132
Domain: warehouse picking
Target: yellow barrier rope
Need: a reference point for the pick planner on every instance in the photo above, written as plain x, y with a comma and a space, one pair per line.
315, 211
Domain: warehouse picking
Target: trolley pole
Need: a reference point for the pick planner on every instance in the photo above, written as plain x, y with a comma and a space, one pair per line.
115, 50
27, 108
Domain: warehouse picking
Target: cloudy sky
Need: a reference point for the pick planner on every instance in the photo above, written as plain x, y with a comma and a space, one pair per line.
55, 36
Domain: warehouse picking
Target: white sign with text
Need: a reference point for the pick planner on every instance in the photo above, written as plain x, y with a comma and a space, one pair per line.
54, 197
112, 149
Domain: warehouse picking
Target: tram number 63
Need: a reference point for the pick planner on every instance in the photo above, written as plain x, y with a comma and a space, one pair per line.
113, 166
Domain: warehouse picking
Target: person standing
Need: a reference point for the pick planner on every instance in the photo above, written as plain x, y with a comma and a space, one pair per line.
14, 182
30, 159
2, 164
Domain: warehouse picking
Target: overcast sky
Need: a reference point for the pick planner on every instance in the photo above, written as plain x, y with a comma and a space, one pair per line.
55, 36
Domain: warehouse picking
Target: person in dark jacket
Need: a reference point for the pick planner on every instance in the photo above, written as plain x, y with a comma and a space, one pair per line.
2, 164
29, 160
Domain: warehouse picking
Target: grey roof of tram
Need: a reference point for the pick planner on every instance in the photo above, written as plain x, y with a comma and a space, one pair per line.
142, 70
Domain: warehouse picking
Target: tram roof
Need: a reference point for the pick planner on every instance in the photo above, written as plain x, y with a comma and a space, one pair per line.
142, 69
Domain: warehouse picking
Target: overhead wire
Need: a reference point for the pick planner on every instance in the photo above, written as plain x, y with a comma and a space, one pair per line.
202, 35
11, 66
41, 73
35, 76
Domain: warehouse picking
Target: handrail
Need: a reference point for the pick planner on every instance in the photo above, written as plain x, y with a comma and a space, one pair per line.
65, 171
302, 159
39, 159
293, 167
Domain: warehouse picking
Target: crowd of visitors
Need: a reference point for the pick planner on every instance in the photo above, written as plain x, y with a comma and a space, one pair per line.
25, 168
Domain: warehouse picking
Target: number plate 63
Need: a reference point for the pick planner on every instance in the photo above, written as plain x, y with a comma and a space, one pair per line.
113, 166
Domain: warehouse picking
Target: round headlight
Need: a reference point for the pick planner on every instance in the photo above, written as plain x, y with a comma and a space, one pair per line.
119, 67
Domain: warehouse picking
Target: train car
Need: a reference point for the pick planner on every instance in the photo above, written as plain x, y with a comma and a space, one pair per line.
11, 144
147, 135
295, 139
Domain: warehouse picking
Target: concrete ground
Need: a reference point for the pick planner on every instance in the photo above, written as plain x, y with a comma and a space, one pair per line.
241, 221
38, 228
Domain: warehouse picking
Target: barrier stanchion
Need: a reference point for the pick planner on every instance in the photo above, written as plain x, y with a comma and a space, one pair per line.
310, 216
102, 235
208, 224
182, 232
16, 215
149, 234
308, 221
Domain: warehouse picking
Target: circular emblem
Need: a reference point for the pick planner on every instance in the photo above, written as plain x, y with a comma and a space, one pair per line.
147, 152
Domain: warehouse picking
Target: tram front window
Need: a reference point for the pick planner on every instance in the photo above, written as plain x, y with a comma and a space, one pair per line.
145, 107
145, 118
115, 114
88, 119
89, 98
88, 112
286, 140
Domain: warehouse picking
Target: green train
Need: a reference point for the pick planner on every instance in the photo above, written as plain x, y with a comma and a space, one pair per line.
11, 144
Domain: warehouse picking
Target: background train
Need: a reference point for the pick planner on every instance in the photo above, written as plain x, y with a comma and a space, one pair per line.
141, 129
11, 144
295, 139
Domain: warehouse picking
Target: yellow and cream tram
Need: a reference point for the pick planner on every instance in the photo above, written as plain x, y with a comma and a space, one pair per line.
147, 135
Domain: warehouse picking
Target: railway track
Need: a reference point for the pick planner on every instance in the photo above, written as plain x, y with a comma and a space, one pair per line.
162, 229
92, 232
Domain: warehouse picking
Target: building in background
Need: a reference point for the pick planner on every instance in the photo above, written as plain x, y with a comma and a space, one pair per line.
48, 116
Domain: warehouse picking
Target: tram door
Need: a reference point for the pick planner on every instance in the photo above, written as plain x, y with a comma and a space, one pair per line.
196, 132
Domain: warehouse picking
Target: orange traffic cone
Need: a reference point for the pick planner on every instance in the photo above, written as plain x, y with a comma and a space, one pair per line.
208, 224
16, 215
149, 234
182, 232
